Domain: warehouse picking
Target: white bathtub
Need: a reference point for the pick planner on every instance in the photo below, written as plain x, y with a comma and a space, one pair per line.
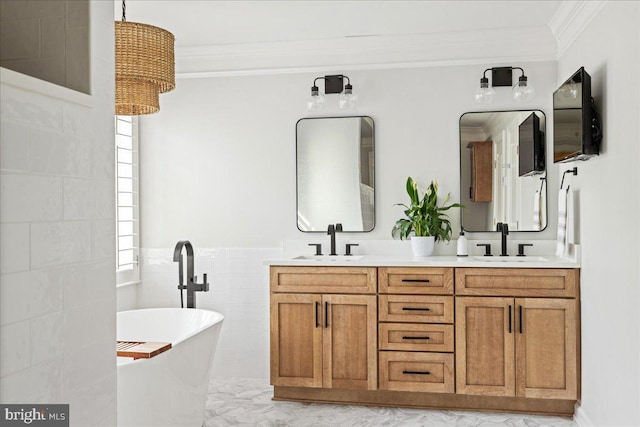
169, 389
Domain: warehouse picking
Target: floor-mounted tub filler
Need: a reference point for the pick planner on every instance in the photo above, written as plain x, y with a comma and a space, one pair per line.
169, 389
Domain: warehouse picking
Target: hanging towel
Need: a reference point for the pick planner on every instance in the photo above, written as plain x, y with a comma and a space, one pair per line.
536, 211
562, 222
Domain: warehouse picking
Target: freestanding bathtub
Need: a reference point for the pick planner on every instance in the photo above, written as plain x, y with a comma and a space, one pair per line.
169, 389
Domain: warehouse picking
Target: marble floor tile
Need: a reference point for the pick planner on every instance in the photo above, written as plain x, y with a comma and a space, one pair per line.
247, 402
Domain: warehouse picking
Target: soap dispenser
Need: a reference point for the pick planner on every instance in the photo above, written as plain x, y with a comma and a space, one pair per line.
462, 245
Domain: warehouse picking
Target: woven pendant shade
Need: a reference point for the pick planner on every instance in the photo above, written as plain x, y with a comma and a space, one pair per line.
144, 67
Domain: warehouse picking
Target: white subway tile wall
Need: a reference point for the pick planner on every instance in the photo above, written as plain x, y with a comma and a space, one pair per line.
239, 289
57, 225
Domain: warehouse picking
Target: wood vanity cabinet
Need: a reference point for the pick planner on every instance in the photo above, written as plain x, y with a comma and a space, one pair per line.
481, 171
504, 339
323, 340
512, 346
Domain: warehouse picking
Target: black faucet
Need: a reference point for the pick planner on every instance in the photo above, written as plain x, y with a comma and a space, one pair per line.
504, 229
331, 231
192, 287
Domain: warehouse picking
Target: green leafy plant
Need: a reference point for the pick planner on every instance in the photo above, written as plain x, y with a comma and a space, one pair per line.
423, 216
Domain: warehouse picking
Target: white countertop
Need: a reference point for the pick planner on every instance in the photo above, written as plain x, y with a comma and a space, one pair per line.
398, 254
434, 261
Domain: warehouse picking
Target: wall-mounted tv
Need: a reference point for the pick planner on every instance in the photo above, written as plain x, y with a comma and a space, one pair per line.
530, 147
576, 123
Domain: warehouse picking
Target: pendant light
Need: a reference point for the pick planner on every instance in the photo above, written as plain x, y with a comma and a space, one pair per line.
145, 66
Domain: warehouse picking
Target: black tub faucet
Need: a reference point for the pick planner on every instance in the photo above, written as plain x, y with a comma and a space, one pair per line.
192, 287
331, 231
504, 229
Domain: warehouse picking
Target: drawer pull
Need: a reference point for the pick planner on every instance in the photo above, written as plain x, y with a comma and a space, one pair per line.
415, 309
416, 338
317, 321
416, 280
417, 372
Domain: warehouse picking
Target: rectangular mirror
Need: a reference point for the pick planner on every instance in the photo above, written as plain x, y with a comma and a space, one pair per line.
503, 170
335, 166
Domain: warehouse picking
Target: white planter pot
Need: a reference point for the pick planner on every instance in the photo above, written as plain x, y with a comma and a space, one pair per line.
422, 246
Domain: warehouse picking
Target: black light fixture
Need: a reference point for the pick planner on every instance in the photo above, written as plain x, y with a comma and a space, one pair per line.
333, 84
522, 91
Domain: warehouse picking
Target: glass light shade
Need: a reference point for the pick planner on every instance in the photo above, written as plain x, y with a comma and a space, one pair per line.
484, 95
347, 100
523, 92
315, 101
569, 91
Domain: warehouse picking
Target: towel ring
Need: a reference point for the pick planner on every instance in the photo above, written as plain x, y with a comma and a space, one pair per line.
573, 171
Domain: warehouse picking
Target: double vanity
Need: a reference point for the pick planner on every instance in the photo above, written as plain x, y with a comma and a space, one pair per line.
438, 332
480, 333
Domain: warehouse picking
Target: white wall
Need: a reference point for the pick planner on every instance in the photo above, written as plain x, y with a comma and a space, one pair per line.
609, 201
57, 321
218, 160
218, 168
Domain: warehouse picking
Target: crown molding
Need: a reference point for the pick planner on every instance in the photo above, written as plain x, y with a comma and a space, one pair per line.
531, 44
571, 19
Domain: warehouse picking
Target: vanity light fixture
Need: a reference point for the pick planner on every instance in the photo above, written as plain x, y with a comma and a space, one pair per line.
333, 84
145, 66
522, 91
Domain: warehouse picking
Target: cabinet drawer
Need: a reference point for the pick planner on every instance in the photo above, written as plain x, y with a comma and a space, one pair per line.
412, 371
415, 308
416, 280
415, 337
534, 282
342, 280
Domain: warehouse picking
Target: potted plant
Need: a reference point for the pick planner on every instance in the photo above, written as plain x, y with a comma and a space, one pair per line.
428, 221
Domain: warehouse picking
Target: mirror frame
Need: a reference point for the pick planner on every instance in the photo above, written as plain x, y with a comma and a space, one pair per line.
373, 143
546, 169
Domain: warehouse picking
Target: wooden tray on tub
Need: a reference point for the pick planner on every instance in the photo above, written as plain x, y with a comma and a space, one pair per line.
140, 349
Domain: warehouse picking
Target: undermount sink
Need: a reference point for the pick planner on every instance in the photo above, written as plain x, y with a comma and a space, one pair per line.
329, 257
511, 258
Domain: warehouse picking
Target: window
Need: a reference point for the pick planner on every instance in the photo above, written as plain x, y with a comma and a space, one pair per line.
127, 201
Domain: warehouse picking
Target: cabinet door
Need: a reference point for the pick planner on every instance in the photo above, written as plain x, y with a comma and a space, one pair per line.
296, 340
350, 342
485, 346
546, 359
481, 171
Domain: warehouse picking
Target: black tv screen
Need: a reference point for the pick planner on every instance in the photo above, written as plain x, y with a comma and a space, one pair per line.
530, 147
576, 128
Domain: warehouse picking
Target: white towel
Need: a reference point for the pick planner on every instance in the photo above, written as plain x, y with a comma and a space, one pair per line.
562, 222
536, 211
